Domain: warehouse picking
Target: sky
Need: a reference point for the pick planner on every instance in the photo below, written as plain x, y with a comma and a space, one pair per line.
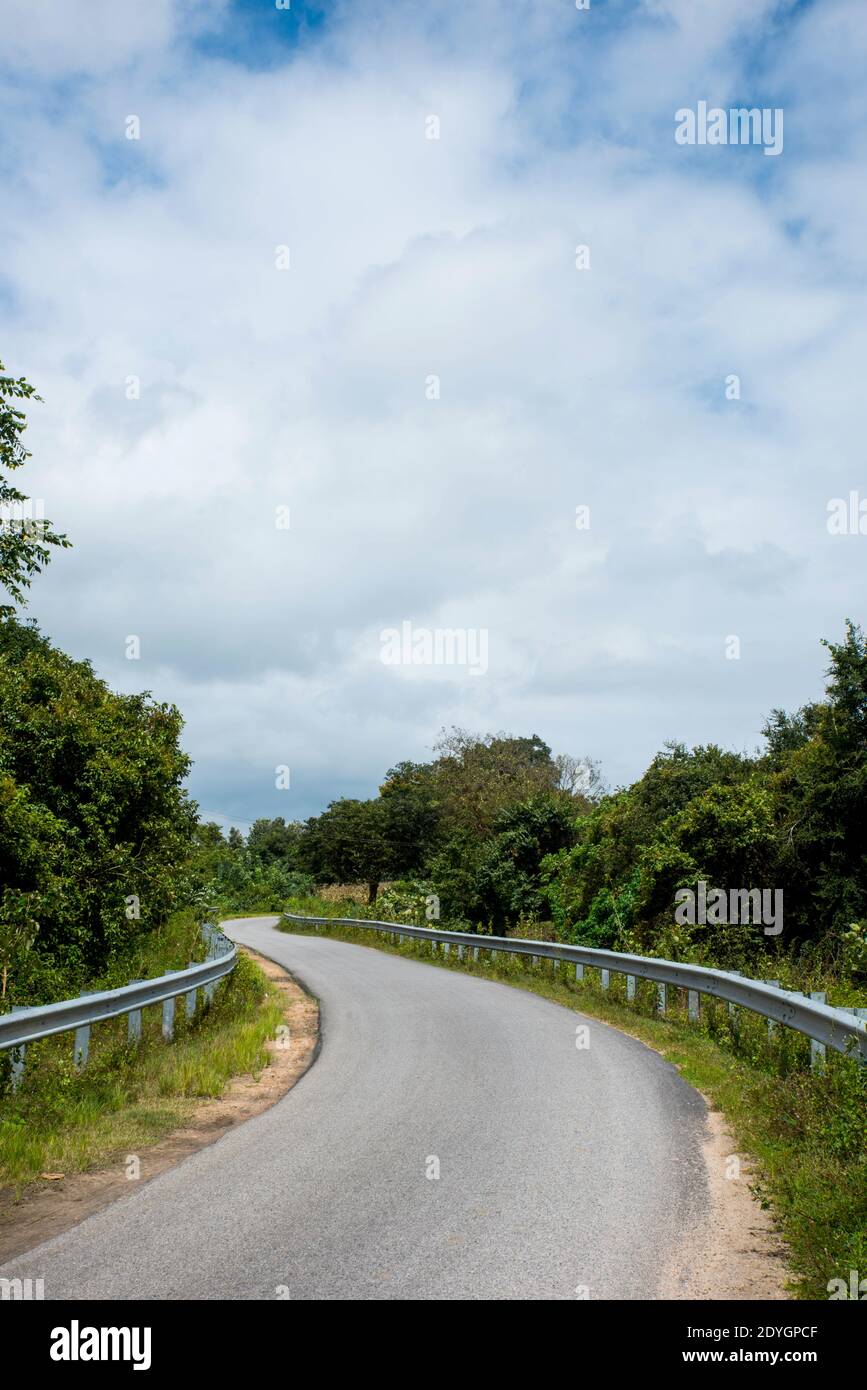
335, 270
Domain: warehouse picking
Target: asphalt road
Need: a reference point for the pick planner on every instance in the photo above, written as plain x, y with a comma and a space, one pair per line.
560, 1169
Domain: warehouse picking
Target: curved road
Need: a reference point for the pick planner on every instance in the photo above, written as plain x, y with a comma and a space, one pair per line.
560, 1169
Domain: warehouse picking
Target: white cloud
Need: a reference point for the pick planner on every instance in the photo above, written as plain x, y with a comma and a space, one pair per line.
558, 387
54, 38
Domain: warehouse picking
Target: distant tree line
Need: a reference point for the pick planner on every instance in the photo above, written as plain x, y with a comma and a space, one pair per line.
472, 826
502, 833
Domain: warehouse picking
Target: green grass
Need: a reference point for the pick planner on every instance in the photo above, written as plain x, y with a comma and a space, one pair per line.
806, 1132
63, 1120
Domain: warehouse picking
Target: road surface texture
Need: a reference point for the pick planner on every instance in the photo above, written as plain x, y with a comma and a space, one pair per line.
562, 1172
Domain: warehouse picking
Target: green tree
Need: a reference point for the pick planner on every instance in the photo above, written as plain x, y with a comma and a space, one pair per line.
273, 841
347, 844
496, 882
791, 818
820, 792
94, 822
477, 777
411, 817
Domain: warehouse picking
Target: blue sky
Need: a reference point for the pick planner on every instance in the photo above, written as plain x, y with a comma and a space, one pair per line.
260, 36
155, 259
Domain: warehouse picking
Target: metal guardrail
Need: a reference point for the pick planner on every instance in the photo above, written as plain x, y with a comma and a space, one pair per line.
843, 1030
24, 1025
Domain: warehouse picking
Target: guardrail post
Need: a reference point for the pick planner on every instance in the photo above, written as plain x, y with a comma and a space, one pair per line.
579, 971
169, 1018
604, 977
660, 999
475, 953
445, 948
630, 987
18, 1053
692, 1004
817, 1049
772, 1027
81, 1045
133, 1021
733, 1020
460, 950
191, 996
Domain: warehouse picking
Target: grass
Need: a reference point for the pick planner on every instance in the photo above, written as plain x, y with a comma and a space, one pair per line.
62, 1120
805, 1132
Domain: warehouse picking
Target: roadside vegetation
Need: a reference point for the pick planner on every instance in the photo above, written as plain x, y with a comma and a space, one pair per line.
62, 1120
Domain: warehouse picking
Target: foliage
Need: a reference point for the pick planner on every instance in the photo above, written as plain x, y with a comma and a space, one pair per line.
347, 844
17, 933
411, 822
231, 875
94, 823
791, 818
476, 821
478, 778
495, 883
273, 841
24, 540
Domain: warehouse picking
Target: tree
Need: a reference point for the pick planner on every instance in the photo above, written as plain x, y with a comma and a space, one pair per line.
508, 877
347, 844
476, 778
209, 835
411, 819
95, 825
820, 790
273, 841
790, 819
24, 539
